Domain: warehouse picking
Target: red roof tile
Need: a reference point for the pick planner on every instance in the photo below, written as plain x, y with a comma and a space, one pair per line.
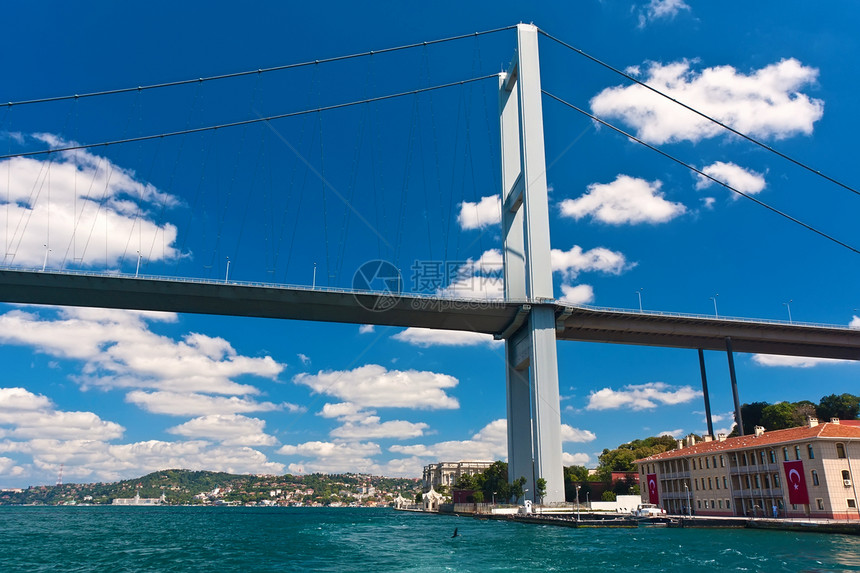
845, 429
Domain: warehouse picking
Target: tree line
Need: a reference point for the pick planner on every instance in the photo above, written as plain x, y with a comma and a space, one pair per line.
784, 415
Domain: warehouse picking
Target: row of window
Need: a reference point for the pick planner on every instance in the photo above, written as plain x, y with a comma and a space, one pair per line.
711, 504
708, 462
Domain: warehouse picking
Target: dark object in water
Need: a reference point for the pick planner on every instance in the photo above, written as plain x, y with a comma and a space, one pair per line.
455, 533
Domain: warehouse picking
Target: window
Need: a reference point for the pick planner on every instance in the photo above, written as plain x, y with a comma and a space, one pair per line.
722, 461
846, 476
797, 452
710, 484
744, 457
718, 482
747, 480
706, 504
815, 478
763, 460
811, 452
728, 504
696, 483
714, 459
785, 453
819, 503
776, 480
707, 463
840, 451
766, 482
772, 457
757, 481
852, 503
699, 503
725, 483
721, 503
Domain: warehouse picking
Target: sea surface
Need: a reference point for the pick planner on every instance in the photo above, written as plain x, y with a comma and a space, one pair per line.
195, 539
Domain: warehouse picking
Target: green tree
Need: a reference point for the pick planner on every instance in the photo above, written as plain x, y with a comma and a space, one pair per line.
608, 496
842, 406
575, 476
419, 498
466, 482
540, 488
751, 414
493, 482
517, 490
780, 416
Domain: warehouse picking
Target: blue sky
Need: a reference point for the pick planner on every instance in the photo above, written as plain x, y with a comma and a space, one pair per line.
112, 394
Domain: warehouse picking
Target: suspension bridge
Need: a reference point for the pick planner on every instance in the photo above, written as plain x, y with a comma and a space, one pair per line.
528, 317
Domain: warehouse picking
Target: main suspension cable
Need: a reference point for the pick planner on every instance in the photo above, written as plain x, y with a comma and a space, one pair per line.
245, 121
703, 115
257, 71
702, 173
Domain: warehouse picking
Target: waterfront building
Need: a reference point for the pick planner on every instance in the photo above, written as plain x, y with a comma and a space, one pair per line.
808, 471
447, 473
137, 500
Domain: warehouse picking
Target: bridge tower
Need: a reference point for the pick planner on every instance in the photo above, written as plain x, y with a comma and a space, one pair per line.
534, 421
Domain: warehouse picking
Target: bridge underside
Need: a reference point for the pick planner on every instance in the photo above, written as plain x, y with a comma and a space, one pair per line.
488, 317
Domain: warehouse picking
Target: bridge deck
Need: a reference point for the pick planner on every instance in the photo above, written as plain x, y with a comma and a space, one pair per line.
489, 317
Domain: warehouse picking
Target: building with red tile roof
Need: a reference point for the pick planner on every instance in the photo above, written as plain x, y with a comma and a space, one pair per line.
806, 471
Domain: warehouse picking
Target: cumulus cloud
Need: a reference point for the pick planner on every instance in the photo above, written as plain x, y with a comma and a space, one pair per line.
94, 460
577, 294
733, 175
641, 396
486, 212
855, 322
119, 351
374, 386
793, 361
94, 211
193, 404
331, 457
24, 415
574, 459
627, 200
481, 278
372, 428
766, 103
661, 9
599, 259
426, 337
229, 429
365, 329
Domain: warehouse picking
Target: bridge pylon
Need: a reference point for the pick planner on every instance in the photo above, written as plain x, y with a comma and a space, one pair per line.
534, 421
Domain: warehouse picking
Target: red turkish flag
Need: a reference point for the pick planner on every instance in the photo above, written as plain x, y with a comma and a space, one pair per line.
796, 482
653, 494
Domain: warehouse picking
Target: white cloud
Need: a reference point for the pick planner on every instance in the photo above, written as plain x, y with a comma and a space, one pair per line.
365, 329
304, 358
192, 404
599, 259
708, 202
478, 279
571, 434
94, 211
119, 351
488, 211
426, 337
733, 175
661, 9
375, 386
229, 429
793, 361
855, 322
371, 428
574, 459
766, 103
94, 460
641, 396
627, 200
24, 415
679, 433
332, 457
576, 294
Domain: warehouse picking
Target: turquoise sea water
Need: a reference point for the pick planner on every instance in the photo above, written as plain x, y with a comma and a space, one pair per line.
368, 540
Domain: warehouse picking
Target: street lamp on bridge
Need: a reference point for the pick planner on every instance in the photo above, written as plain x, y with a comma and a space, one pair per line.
714, 298
788, 307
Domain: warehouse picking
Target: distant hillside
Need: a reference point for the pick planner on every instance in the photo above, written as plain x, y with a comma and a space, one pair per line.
186, 487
